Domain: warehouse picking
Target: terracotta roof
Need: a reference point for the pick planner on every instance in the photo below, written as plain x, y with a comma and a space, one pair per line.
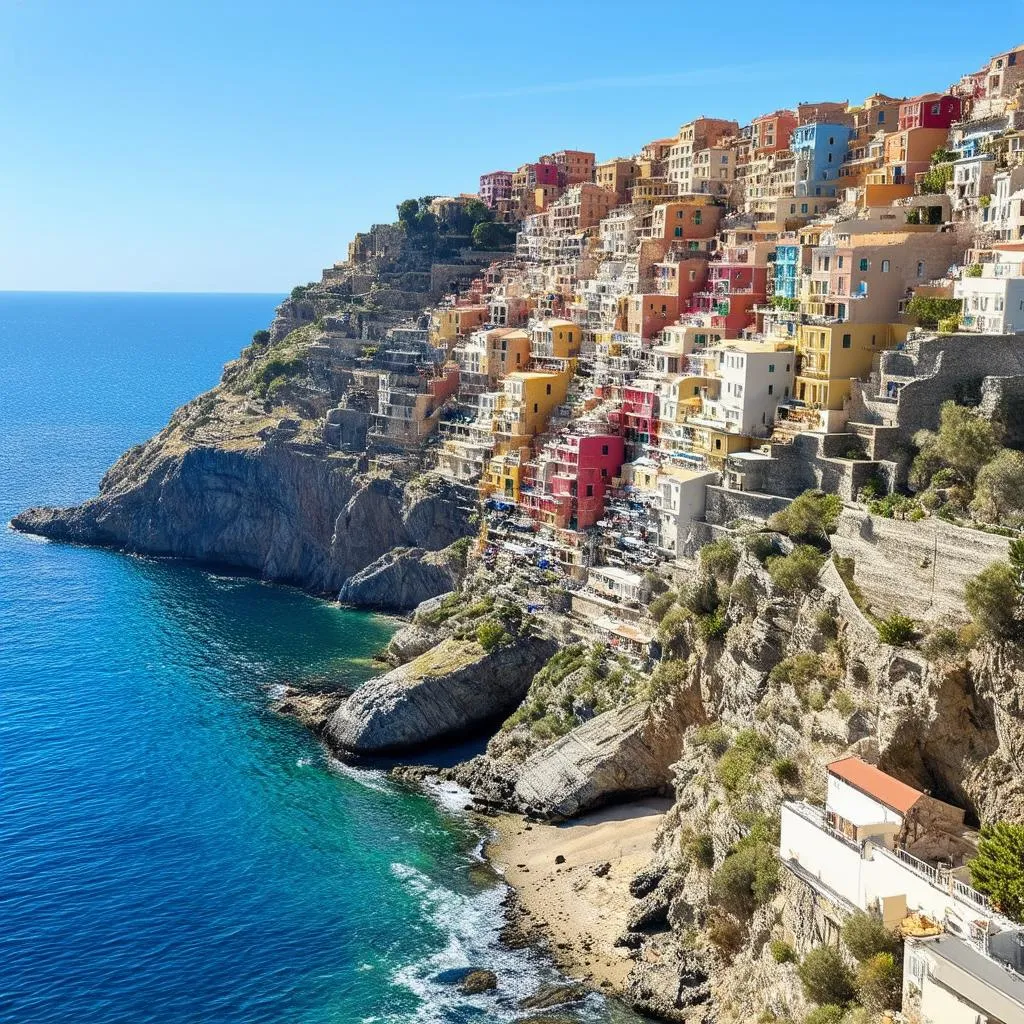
875, 783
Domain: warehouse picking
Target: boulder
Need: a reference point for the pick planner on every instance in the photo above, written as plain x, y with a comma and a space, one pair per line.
454, 689
399, 580
479, 981
622, 753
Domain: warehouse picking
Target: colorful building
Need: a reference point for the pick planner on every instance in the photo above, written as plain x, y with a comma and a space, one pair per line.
495, 187
819, 148
932, 110
771, 133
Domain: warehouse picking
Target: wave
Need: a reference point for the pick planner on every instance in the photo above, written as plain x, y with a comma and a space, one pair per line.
370, 778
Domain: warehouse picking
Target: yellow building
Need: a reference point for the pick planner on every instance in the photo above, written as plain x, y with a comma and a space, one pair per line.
526, 405
503, 474
555, 339
453, 322
830, 356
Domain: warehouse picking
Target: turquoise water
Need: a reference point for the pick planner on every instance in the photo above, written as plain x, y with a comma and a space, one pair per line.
169, 849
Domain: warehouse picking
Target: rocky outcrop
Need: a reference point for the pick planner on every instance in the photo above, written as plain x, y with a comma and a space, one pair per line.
622, 753
454, 689
401, 579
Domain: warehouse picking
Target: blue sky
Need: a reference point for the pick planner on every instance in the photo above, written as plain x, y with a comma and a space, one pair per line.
212, 146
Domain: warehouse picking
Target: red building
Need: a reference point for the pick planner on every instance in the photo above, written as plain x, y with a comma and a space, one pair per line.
567, 484
495, 187
637, 417
734, 287
770, 133
932, 110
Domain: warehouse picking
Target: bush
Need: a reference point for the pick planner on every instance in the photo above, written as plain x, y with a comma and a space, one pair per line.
865, 935
660, 605
964, 442
673, 627
260, 337
799, 671
999, 490
700, 848
714, 626
927, 310
828, 1014
702, 598
735, 768
880, 982
810, 517
782, 952
762, 546
943, 642
844, 703
974, 270
796, 573
991, 599
725, 933
747, 878
669, 676
998, 869
896, 630
720, 558
786, 771
491, 635
714, 737
825, 977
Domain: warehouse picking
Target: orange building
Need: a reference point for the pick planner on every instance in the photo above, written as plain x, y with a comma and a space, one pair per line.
770, 133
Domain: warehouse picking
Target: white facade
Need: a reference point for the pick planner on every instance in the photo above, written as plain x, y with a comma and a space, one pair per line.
613, 582
755, 378
856, 807
994, 302
682, 497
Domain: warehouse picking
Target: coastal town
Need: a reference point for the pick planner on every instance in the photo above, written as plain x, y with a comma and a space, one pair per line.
699, 472
694, 334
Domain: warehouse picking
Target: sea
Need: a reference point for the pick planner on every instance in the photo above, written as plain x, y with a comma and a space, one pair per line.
170, 849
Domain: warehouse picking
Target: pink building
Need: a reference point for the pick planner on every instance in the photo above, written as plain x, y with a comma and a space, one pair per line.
637, 417
734, 287
932, 110
495, 187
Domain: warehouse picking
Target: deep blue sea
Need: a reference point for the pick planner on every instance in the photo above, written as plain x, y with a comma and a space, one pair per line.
170, 850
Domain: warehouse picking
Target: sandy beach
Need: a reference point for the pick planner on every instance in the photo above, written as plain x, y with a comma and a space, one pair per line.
578, 913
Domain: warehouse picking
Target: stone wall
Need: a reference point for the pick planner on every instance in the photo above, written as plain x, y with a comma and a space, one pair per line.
724, 505
916, 568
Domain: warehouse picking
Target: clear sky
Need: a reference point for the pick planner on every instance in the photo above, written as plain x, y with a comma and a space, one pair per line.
202, 145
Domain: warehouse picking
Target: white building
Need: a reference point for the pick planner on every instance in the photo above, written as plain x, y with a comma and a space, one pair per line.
964, 962
682, 499
994, 302
610, 581
1004, 216
755, 377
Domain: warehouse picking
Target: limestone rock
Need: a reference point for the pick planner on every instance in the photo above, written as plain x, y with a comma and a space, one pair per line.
453, 689
399, 579
479, 981
621, 753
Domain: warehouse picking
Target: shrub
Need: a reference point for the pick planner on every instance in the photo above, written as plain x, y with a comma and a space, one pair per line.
661, 604
669, 676
748, 752
720, 558
799, 671
700, 848
672, 629
762, 546
744, 594
928, 310
998, 869
896, 630
491, 635
655, 583
880, 982
943, 642
964, 442
865, 935
796, 573
844, 703
260, 337
725, 933
747, 878
714, 626
974, 270
991, 599
825, 977
702, 598
782, 952
810, 517
714, 737
786, 771
999, 490
826, 624
828, 1014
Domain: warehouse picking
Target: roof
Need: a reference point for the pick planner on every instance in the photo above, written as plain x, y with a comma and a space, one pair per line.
612, 572
875, 783
986, 971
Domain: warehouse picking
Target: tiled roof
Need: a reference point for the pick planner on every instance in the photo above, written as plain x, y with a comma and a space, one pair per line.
875, 783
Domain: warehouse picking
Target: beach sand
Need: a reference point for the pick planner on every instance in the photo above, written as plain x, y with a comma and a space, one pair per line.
577, 914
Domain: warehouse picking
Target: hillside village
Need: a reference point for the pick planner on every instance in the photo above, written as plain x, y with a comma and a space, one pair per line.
703, 468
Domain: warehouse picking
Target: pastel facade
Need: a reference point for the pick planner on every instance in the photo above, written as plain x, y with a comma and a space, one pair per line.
994, 302
932, 110
754, 378
770, 133
495, 187
819, 148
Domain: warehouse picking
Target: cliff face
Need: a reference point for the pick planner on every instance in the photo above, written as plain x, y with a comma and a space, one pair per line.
241, 477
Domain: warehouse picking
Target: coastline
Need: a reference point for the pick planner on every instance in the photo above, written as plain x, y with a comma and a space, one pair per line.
566, 907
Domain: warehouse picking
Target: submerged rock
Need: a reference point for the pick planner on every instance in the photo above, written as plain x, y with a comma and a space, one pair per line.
454, 689
479, 981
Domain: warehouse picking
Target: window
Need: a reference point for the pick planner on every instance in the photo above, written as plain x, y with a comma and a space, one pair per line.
678, 233
604, 472
839, 262
803, 207
936, 108
847, 341
697, 217
885, 266
771, 367
548, 390
786, 391
535, 407
590, 490
771, 388
920, 268
881, 117
863, 264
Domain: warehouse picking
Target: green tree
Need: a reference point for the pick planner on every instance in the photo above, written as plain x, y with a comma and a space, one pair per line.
998, 869
260, 337
964, 442
810, 517
797, 572
928, 310
491, 235
477, 212
749, 875
407, 211
999, 488
825, 977
992, 597
720, 558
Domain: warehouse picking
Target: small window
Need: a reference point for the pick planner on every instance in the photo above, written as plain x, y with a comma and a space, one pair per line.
548, 390
881, 117
678, 233
590, 490
863, 264
604, 449
771, 367
885, 266
936, 108
536, 408
803, 207
840, 262
847, 341
920, 268
697, 217
771, 389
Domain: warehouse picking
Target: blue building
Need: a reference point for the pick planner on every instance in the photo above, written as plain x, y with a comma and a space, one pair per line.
786, 259
819, 150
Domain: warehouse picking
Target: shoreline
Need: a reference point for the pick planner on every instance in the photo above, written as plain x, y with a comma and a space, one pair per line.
568, 908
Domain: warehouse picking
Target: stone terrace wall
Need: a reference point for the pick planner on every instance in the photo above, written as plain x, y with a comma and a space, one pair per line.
724, 505
916, 568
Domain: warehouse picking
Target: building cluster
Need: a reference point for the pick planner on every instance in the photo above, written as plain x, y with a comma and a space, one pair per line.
881, 846
672, 313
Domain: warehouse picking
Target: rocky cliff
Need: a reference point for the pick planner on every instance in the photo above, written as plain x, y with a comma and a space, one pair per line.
242, 477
